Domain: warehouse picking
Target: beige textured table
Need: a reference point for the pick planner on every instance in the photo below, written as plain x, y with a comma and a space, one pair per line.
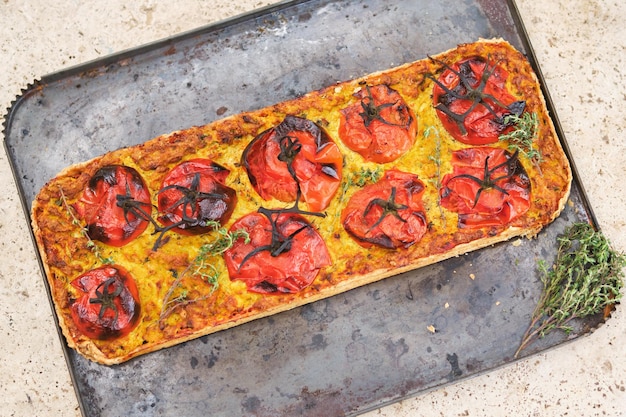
581, 48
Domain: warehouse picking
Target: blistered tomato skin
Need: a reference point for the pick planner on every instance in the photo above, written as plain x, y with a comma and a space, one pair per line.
108, 306
294, 160
488, 187
193, 194
389, 213
115, 205
472, 101
380, 126
284, 254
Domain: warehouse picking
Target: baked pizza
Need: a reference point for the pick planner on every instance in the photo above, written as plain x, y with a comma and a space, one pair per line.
202, 229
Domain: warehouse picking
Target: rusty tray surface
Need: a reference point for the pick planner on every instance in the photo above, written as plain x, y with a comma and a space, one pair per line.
340, 356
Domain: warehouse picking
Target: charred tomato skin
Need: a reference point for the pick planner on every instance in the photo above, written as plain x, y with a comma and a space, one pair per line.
380, 126
388, 213
296, 156
107, 221
479, 203
194, 193
108, 306
268, 272
481, 84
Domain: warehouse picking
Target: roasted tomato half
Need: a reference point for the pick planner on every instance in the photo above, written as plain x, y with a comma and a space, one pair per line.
380, 127
472, 101
108, 306
488, 187
193, 194
296, 159
388, 213
284, 254
115, 205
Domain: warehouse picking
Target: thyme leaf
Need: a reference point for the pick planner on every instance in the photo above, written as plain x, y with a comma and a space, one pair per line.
586, 277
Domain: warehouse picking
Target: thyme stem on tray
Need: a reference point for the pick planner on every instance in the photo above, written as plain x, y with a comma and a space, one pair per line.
586, 278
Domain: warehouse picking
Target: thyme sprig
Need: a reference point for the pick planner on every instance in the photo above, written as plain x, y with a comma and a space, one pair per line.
436, 159
93, 247
360, 179
586, 277
201, 267
522, 138
366, 176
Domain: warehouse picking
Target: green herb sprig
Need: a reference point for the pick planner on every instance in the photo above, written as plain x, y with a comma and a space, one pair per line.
93, 247
436, 159
366, 176
201, 267
360, 179
522, 138
586, 277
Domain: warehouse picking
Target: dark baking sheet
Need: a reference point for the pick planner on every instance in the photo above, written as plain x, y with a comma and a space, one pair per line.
339, 356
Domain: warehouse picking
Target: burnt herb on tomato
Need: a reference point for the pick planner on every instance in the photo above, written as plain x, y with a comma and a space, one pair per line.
389, 213
108, 303
284, 252
372, 111
380, 126
295, 160
488, 187
489, 179
472, 100
115, 205
193, 196
389, 207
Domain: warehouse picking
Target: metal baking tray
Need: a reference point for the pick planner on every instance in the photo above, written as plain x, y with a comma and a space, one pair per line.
340, 356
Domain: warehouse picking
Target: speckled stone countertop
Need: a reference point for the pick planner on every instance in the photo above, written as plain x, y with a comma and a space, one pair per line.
581, 48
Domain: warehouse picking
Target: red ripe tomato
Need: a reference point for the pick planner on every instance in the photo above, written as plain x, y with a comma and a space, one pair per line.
488, 187
388, 213
472, 101
115, 205
109, 305
380, 126
294, 159
284, 254
193, 194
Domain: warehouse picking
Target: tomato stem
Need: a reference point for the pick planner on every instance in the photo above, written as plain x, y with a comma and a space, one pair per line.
131, 206
373, 112
389, 207
472, 89
189, 202
105, 298
487, 182
279, 243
